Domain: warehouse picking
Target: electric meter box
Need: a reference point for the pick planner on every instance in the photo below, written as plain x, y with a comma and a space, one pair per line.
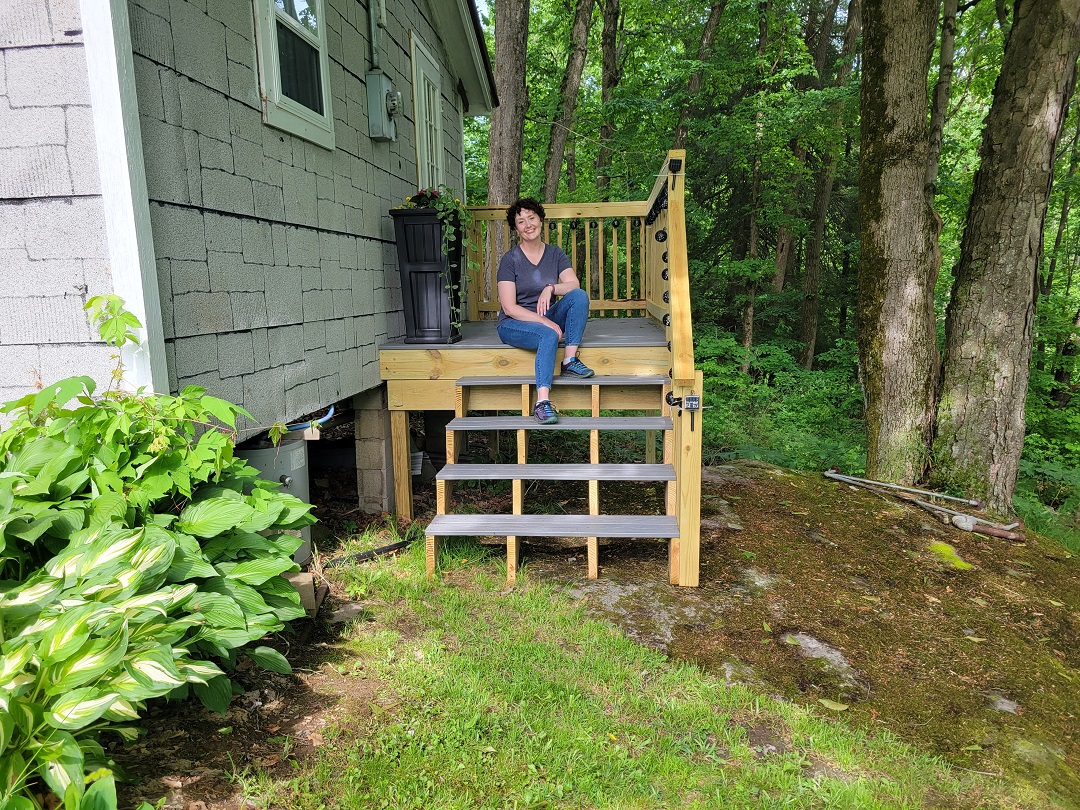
288, 466
383, 106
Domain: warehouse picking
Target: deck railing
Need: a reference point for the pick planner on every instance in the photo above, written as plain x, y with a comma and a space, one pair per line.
631, 257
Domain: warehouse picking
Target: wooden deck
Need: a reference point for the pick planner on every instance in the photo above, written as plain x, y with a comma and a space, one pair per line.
631, 259
423, 376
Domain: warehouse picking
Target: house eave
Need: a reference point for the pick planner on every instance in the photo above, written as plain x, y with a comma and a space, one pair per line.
459, 24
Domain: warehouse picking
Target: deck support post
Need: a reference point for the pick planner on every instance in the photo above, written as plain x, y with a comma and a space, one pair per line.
399, 433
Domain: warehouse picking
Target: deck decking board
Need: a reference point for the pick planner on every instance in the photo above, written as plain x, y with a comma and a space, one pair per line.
557, 472
564, 423
612, 526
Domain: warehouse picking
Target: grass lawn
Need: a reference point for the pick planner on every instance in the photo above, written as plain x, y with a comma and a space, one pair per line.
476, 695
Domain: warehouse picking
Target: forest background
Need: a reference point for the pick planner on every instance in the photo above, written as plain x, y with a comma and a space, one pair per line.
768, 98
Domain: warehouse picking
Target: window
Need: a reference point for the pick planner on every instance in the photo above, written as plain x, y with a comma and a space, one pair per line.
294, 68
427, 103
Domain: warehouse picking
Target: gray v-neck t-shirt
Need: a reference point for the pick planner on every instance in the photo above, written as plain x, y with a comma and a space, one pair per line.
531, 279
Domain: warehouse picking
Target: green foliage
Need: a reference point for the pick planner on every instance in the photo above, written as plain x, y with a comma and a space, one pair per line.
778, 411
138, 557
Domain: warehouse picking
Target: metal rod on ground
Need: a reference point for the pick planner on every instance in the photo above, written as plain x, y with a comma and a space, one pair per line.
1002, 526
852, 480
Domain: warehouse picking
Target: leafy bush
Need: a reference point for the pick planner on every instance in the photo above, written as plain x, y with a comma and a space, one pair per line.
778, 411
138, 557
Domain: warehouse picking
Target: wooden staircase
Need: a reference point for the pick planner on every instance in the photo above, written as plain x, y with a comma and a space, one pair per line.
649, 392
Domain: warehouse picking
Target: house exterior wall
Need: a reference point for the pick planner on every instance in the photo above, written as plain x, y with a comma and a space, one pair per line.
53, 249
275, 257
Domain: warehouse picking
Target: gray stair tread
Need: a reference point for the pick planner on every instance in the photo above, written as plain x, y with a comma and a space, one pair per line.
600, 379
660, 526
564, 423
557, 472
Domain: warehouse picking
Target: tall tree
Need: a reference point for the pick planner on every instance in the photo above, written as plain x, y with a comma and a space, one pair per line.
568, 93
693, 84
989, 323
819, 212
508, 119
611, 53
898, 263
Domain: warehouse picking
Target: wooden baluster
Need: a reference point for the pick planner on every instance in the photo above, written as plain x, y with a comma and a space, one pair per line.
592, 544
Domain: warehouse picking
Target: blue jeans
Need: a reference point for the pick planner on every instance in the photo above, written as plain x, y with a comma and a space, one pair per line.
570, 312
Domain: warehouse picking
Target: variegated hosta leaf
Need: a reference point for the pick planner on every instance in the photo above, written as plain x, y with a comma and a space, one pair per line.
197, 671
14, 663
80, 707
61, 762
68, 632
123, 710
30, 598
155, 668
94, 659
168, 631
161, 552
130, 689
111, 546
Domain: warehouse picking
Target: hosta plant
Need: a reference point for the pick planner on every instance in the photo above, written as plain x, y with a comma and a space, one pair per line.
138, 558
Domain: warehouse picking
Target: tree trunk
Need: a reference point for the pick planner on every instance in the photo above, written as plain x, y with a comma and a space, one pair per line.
568, 93
989, 322
897, 270
755, 201
610, 59
1047, 284
693, 84
508, 119
941, 89
810, 308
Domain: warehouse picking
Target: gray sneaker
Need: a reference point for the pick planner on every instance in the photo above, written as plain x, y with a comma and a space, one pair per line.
545, 412
575, 368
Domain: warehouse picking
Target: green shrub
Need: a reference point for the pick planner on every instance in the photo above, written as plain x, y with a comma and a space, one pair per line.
138, 557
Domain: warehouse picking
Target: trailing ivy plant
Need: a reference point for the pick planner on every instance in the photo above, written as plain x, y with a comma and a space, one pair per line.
138, 559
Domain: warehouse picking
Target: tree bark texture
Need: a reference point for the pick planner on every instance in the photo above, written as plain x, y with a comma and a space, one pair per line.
568, 93
507, 130
896, 330
989, 322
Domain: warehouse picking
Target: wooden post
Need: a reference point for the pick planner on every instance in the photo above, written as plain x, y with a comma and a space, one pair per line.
592, 544
671, 499
689, 506
399, 442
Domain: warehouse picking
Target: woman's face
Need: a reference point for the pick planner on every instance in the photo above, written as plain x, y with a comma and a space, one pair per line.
527, 224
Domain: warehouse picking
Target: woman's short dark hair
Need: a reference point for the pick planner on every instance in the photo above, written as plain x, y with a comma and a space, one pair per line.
523, 204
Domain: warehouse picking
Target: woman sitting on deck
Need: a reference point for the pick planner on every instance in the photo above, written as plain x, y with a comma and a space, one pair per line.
530, 276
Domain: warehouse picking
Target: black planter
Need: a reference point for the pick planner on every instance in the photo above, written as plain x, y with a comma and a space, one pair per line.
430, 280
